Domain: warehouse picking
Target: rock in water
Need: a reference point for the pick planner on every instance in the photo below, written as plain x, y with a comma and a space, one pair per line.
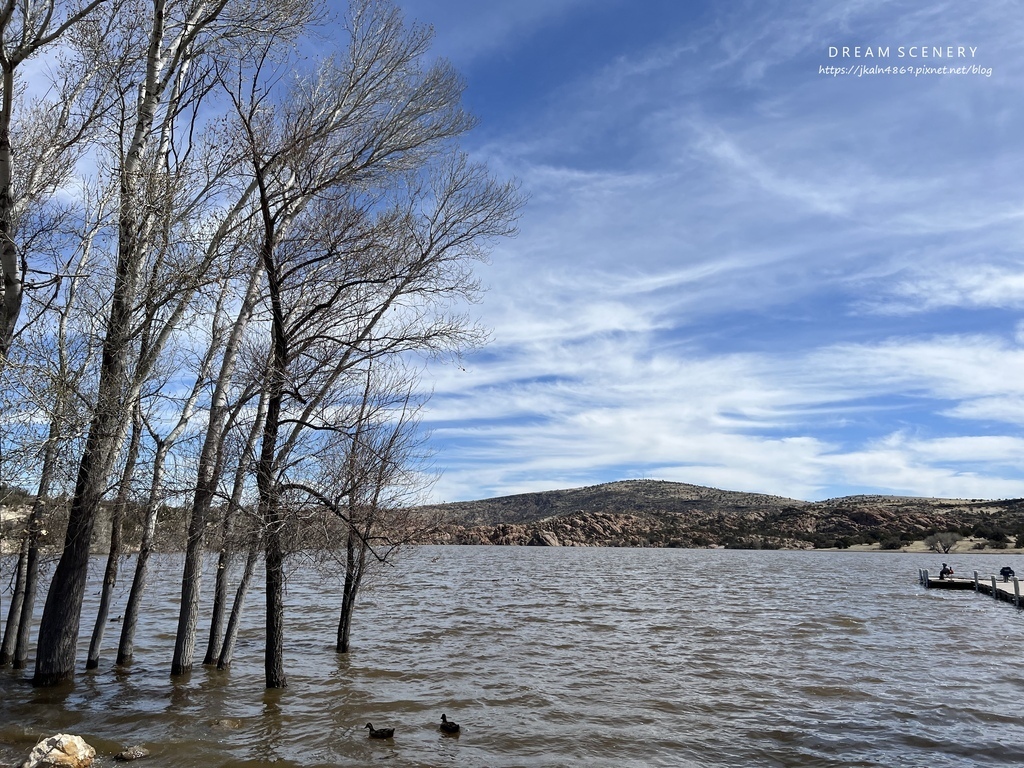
132, 753
61, 751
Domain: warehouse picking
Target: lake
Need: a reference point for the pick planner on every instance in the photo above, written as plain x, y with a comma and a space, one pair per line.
574, 657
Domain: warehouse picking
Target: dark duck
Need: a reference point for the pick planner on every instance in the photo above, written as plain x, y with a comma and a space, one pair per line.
447, 726
380, 733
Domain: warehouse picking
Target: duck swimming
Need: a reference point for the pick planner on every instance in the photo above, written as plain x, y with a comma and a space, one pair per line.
447, 726
380, 733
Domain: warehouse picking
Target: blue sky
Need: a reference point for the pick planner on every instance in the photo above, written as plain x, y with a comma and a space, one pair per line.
736, 270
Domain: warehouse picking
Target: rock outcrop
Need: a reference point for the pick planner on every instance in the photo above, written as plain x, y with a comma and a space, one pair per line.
649, 513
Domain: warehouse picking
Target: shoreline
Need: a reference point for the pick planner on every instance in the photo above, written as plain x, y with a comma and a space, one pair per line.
9, 548
965, 546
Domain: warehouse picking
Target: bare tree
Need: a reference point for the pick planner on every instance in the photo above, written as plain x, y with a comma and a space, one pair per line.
942, 542
383, 290
54, 373
26, 28
368, 477
360, 117
150, 95
221, 650
220, 420
114, 551
331, 217
220, 635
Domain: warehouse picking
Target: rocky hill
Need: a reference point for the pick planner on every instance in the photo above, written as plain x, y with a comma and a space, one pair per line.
653, 513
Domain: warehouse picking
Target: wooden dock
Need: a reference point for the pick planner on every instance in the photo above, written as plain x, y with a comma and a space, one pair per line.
986, 585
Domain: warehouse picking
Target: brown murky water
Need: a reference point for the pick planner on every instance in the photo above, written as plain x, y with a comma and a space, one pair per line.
578, 657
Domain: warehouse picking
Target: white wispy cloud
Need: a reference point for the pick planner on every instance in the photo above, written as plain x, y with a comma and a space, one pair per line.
958, 285
735, 272
717, 419
1007, 409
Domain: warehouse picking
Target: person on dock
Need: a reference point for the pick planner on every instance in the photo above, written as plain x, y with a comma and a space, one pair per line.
1006, 572
946, 571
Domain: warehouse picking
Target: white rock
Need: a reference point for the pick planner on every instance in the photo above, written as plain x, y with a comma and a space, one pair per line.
61, 751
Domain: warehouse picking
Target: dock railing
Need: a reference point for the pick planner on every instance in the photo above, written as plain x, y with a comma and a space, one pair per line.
989, 586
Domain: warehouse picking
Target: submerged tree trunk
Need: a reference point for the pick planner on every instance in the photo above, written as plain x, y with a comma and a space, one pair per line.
126, 645
109, 581
114, 553
231, 633
62, 612
220, 598
191, 581
17, 601
32, 552
274, 659
269, 492
61, 620
60, 624
28, 604
220, 590
355, 563
267, 482
269, 502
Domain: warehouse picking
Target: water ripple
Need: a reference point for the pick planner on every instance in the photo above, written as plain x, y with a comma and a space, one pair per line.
566, 657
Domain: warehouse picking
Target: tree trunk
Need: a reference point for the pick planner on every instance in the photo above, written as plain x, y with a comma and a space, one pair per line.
355, 564
62, 612
220, 590
17, 601
274, 658
28, 604
231, 634
114, 554
10, 307
126, 646
60, 624
271, 519
269, 495
266, 467
191, 581
32, 561
59, 627
109, 581
213, 646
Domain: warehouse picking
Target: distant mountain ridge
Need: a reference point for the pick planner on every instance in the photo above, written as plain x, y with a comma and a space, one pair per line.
623, 496
663, 513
